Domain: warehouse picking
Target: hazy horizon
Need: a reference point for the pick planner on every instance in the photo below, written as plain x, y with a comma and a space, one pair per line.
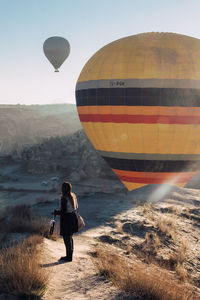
26, 75
29, 104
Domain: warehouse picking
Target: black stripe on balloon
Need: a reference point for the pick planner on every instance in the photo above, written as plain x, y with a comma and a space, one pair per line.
152, 165
139, 97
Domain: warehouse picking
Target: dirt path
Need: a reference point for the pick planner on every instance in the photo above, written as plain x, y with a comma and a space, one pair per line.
76, 280
79, 280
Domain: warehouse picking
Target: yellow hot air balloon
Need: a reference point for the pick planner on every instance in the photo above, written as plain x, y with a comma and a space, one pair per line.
138, 99
56, 49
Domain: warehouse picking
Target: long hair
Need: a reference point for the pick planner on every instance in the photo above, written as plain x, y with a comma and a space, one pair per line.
66, 190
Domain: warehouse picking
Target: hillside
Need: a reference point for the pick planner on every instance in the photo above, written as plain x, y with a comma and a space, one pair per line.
22, 125
70, 156
131, 247
141, 250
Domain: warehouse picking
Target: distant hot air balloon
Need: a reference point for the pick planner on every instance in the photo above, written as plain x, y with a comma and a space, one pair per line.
56, 49
138, 99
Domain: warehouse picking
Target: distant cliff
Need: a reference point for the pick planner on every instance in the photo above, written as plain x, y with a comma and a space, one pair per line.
22, 125
46, 139
72, 156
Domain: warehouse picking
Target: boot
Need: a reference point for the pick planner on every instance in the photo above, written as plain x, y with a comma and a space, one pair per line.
69, 255
63, 258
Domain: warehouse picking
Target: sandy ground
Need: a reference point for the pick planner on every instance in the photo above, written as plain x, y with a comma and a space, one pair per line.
102, 208
79, 279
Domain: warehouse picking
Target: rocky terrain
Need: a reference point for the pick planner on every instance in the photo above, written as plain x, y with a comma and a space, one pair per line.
39, 142
72, 156
36, 172
22, 125
162, 236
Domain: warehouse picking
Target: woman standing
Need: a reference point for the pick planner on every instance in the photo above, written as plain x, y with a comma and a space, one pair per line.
68, 219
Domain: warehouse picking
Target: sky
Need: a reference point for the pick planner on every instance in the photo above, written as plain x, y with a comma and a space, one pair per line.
27, 77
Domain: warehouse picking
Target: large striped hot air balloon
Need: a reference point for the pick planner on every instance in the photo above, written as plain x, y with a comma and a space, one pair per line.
138, 99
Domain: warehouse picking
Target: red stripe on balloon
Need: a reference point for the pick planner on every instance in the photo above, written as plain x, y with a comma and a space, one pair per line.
180, 179
150, 119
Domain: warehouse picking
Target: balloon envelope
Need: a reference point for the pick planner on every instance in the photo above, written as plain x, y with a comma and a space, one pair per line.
138, 99
56, 49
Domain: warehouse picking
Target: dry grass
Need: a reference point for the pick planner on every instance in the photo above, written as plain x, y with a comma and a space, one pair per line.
165, 233
152, 243
20, 271
181, 272
21, 219
181, 253
21, 211
3, 238
179, 256
119, 227
147, 210
174, 210
167, 226
148, 282
177, 259
34, 225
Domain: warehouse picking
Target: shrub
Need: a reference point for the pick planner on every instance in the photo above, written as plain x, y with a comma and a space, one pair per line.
21, 211
151, 243
148, 282
20, 271
21, 219
119, 227
167, 226
177, 260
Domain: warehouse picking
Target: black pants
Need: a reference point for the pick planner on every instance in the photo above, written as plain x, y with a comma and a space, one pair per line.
69, 243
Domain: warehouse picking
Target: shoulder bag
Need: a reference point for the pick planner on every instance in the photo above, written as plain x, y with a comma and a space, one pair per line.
80, 220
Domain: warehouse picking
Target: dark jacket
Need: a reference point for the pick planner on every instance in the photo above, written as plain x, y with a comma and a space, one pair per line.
68, 220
